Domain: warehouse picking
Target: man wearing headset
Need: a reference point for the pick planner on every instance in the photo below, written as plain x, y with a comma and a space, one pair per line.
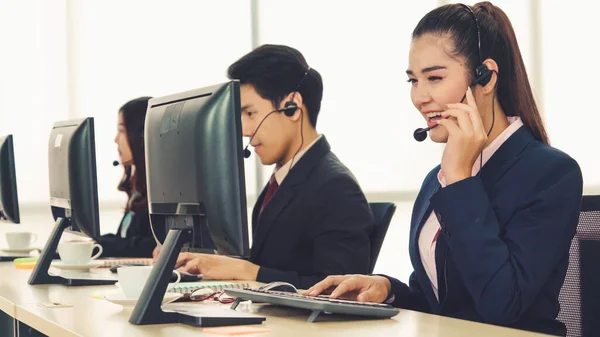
312, 219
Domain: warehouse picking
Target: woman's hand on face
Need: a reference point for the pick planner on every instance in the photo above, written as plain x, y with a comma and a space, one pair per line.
466, 139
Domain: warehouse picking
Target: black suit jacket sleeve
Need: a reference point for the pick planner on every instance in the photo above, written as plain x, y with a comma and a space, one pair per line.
116, 246
408, 296
138, 242
340, 235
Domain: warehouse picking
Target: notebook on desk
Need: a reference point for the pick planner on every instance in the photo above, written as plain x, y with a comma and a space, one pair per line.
189, 287
126, 261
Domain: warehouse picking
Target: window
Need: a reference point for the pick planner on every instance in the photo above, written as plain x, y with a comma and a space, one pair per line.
362, 55
569, 87
33, 86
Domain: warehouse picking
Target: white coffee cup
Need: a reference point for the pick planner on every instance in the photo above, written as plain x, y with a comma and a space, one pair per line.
78, 252
20, 240
132, 279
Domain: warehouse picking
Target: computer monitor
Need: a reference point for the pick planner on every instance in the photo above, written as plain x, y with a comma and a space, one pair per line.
72, 172
73, 193
195, 168
196, 186
9, 200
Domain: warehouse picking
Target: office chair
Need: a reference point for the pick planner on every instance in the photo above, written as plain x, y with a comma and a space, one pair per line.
383, 213
580, 294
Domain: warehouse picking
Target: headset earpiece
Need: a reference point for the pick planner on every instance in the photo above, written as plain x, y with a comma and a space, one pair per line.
289, 109
483, 75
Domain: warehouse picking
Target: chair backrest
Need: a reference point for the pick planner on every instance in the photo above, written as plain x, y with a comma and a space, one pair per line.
579, 308
383, 213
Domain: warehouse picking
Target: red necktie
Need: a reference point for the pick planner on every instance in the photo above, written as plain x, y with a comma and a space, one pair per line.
273, 186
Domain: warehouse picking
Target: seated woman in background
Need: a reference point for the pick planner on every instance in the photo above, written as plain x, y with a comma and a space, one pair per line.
134, 237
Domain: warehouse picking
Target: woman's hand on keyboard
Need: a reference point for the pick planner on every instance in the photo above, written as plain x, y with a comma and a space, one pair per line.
361, 288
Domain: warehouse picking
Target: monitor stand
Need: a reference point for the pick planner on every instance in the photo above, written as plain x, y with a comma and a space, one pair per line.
40, 272
148, 308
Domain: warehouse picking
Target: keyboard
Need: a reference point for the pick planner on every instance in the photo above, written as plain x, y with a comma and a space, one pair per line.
316, 304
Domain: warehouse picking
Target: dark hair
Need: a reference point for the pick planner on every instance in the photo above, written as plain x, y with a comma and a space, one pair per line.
134, 117
498, 42
275, 71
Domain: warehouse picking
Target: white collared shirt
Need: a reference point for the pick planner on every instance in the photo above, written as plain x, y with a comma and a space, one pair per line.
282, 171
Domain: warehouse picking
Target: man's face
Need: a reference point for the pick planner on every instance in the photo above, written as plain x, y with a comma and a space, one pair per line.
274, 137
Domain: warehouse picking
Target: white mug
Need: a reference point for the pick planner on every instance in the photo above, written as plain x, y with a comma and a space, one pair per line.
78, 252
20, 240
132, 279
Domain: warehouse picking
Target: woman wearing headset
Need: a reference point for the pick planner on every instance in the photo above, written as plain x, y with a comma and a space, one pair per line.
134, 237
492, 225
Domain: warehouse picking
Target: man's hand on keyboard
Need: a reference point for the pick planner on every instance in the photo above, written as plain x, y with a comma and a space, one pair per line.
363, 288
217, 267
156, 252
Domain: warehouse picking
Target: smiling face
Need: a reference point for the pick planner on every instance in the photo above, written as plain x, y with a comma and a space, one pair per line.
436, 79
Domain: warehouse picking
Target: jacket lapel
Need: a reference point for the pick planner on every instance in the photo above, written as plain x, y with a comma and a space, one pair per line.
441, 257
508, 153
421, 212
284, 195
492, 171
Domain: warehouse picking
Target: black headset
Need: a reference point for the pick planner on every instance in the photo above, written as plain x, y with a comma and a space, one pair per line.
483, 75
290, 107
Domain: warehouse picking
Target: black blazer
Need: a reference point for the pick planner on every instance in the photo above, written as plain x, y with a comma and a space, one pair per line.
138, 241
503, 251
317, 223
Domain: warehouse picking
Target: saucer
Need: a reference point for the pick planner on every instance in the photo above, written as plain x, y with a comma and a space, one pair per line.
129, 303
63, 266
18, 250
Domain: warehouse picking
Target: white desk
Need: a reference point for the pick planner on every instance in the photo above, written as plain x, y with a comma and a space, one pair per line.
94, 317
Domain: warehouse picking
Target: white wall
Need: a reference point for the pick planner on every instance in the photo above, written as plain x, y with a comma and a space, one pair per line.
125, 49
33, 86
362, 55
69, 59
571, 82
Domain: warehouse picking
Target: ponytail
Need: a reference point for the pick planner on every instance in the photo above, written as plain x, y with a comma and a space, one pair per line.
514, 90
